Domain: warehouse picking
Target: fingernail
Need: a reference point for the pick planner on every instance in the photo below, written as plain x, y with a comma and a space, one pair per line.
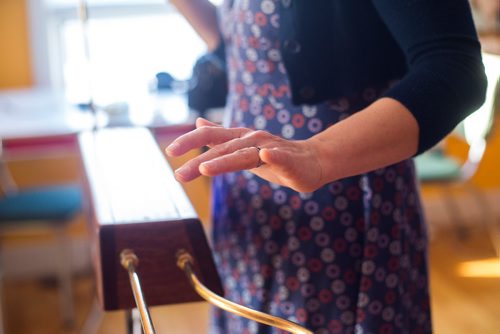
172, 148
182, 172
208, 164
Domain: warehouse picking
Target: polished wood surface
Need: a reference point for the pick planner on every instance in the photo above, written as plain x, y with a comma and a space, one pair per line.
137, 204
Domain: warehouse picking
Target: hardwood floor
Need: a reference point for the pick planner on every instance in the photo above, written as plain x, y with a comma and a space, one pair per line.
31, 307
459, 304
463, 304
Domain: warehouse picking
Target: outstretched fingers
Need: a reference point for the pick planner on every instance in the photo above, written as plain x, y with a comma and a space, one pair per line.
239, 148
203, 136
244, 158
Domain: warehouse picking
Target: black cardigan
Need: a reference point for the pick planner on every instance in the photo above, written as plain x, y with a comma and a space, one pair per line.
333, 48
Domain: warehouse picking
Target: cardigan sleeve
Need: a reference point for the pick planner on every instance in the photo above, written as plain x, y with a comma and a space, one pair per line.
445, 81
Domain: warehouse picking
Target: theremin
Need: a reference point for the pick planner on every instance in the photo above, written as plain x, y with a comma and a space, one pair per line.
142, 224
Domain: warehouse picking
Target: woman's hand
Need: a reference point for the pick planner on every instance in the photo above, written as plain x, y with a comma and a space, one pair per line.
294, 164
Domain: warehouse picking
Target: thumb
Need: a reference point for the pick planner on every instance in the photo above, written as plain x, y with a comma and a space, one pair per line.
275, 157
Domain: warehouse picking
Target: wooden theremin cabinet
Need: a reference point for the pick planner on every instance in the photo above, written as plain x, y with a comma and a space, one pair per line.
136, 203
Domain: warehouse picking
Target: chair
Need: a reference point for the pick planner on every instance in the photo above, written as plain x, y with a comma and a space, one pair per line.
436, 167
50, 206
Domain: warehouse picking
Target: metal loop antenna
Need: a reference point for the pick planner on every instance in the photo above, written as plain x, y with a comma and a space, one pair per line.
185, 262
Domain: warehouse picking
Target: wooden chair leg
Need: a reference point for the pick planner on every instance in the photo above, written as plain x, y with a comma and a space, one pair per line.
488, 218
93, 320
64, 278
458, 223
2, 323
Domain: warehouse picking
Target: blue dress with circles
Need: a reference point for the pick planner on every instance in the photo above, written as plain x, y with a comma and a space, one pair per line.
350, 257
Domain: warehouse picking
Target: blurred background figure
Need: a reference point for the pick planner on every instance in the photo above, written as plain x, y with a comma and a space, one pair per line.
486, 15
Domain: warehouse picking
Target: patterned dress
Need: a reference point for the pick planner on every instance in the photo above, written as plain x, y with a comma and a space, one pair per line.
350, 257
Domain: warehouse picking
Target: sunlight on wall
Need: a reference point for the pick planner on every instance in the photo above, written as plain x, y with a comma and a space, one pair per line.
480, 268
15, 70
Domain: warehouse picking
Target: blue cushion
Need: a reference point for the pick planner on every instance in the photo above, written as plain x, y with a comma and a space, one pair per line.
56, 203
435, 166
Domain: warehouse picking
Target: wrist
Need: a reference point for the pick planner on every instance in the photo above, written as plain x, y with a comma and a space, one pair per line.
323, 158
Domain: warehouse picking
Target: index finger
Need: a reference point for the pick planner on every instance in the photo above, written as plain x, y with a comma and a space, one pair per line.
204, 136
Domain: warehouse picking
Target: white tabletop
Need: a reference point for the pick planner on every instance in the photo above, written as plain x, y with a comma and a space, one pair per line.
41, 112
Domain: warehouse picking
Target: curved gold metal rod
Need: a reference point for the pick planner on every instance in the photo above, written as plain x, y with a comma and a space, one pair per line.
185, 262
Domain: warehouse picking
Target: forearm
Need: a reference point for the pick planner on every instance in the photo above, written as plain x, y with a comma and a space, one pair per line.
382, 134
202, 16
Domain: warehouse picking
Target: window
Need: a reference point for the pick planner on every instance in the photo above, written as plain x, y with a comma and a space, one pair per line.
129, 42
